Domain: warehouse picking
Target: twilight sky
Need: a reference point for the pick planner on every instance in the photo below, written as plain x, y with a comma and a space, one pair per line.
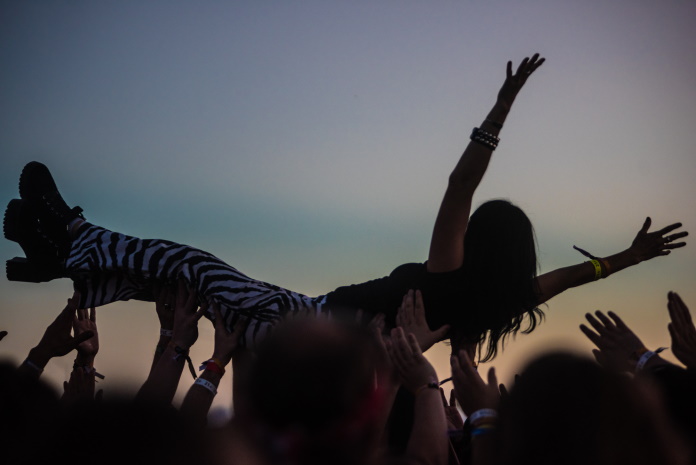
309, 143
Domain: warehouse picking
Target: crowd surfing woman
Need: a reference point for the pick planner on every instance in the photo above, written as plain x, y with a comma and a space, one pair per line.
478, 284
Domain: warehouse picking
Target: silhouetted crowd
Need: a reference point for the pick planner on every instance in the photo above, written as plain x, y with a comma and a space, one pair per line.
345, 390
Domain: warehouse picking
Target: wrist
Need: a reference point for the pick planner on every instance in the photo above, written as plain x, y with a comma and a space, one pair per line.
222, 360
84, 360
38, 357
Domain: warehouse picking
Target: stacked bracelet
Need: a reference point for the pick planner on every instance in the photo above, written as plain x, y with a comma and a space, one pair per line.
604, 262
206, 384
213, 365
483, 421
484, 138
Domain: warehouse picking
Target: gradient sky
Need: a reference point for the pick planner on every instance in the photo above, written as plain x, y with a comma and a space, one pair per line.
309, 143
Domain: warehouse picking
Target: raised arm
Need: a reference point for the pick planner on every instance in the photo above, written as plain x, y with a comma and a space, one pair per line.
645, 246
447, 243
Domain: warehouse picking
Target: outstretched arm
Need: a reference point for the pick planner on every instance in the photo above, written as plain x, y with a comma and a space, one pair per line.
645, 246
447, 243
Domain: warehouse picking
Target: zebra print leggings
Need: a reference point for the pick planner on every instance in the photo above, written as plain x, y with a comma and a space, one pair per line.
108, 266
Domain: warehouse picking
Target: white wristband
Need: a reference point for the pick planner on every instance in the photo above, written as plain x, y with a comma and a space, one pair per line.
483, 413
644, 359
206, 384
166, 332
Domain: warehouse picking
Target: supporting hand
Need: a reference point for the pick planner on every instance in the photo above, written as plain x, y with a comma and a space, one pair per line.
616, 343
471, 391
682, 331
86, 323
411, 317
413, 368
186, 316
57, 340
226, 342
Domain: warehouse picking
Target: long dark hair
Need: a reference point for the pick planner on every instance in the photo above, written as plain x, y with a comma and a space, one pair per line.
501, 266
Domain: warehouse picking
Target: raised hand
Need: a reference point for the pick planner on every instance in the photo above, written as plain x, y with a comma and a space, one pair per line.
412, 367
649, 245
226, 342
682, 330
82, 323
514, 82
616, 343
411, 317
471, 391
165, 294
454, 419
57, 339
186, 316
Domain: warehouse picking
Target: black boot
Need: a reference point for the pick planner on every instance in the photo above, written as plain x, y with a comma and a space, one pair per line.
45, 253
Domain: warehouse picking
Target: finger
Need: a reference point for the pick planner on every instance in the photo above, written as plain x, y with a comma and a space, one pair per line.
674, 334
2, 335
219, 323
521, 66
410, 311
646, 226
81, 314
508, 69
419, 307
444, 399
595, 324
503, 391
413, 343
492, 378
467, 365
683, 309
191, 298
591, 335
608, 324
452, 399
201, 311
240, 327
442, 332
619, 322
667, 229
93, 314
538, 63
181, 292
675, 245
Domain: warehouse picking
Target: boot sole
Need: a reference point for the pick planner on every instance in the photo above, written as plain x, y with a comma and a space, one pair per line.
11, 228
21, 269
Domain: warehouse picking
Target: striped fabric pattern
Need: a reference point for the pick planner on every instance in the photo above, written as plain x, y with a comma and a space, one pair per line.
108, 266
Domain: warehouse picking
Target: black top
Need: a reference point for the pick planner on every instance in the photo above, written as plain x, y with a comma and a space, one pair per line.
442, 293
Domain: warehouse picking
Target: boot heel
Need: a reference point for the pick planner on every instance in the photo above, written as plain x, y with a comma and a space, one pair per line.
21, 269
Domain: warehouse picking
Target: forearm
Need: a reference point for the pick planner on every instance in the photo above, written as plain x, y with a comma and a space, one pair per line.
164, 378
35, 363
161, 347
199, 398
474, 161
554, 282
428, 443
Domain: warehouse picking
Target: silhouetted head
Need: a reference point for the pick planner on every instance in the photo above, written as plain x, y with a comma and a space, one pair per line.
501, 264
312, 393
